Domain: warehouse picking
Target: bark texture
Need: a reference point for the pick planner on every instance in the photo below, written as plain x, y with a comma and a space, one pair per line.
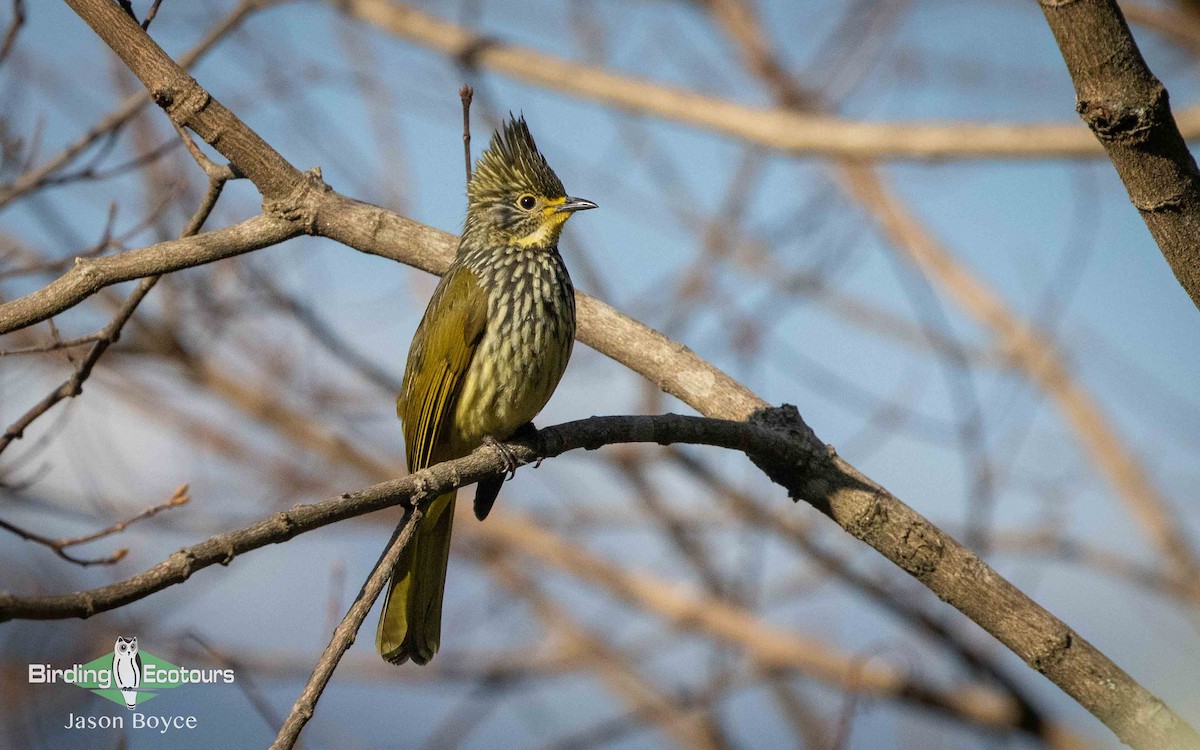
1128, 110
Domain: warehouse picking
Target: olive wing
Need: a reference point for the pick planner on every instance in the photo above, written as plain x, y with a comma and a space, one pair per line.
441, 352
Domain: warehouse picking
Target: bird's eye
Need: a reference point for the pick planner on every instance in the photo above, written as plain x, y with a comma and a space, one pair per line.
527, 201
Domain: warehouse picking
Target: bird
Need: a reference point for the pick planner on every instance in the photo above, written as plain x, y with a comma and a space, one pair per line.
127, 669
489, 352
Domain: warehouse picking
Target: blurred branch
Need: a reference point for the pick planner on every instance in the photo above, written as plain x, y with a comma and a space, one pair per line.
646, 700
10, 36
1173, 22
1128, 110
797, 133
1051, 545
885, 593
323, 333
244, 683
740, 21
769, 648
1040, 360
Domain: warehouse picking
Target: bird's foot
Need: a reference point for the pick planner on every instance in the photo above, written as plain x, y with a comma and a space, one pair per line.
530, 434
510, 460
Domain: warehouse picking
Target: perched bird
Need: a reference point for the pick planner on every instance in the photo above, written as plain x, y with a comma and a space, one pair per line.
490, 350
127, 669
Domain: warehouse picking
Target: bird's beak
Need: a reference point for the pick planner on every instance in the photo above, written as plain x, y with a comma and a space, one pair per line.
571, 205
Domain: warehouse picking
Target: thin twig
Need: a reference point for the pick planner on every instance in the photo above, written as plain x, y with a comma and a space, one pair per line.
106, 241
93, 171
244, 682
59, 546
150, 14
466, 93
325, 335
214, 171
344, 635
53, 346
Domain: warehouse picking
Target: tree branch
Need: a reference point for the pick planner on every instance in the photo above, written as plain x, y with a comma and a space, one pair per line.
780, 444
1128, 110
802, 134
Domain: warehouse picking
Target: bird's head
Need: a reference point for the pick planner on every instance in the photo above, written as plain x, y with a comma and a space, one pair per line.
513, 196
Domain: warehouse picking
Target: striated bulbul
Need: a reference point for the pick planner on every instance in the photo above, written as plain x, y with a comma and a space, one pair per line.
490, 350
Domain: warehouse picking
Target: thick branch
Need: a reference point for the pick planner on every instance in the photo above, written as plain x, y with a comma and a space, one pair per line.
784, 448
1128, 110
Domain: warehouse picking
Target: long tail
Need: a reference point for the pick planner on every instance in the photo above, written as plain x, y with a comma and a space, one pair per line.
410, 626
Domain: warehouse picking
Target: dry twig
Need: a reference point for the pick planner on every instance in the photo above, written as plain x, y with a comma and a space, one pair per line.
59, 546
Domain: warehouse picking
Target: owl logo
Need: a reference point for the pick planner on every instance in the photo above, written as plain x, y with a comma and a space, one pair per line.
127, 669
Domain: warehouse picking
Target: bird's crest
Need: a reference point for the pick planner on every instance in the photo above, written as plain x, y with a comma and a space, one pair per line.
511, 163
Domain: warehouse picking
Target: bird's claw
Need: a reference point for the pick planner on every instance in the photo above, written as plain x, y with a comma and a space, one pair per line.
510, 460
